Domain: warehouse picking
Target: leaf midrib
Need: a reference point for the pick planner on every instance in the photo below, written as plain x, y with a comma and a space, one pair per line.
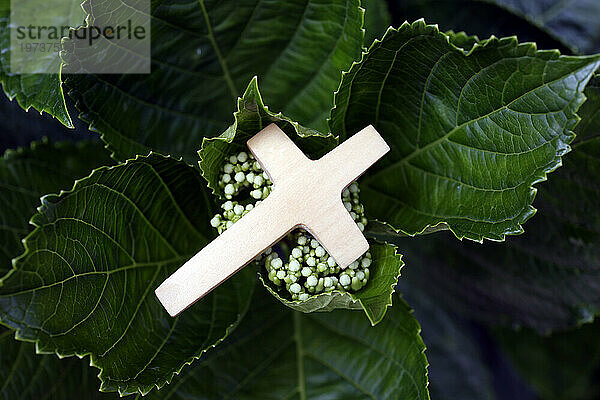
446, 136
222, 61
299, 356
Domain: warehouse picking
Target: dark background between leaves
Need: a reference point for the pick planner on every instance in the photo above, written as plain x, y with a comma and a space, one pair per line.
468, 359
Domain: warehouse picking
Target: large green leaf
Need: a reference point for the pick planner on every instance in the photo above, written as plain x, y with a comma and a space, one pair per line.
203, 55
85, 284
27, 375
29, 173
470, 131
547, 278
41, 91
562, 366
280, 354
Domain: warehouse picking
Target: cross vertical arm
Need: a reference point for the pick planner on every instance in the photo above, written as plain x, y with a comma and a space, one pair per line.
338, 233
277, 154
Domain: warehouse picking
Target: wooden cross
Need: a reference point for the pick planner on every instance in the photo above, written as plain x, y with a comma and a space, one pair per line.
306, 193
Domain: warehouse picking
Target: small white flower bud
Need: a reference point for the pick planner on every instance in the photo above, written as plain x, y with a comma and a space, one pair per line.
303, 296
295, 288
312, 280
345, 280
228, 168
240, 177
228, 205
229, 189
226, 178
242, 157
297, 252
306, 271
294, 266
319, 251
238, 209
233, 159
257, 194
276, 263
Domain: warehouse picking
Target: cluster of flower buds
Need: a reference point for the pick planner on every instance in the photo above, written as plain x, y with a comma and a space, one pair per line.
299, 266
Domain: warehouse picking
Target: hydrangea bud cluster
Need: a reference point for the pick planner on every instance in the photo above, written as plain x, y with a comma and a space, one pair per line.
306, 269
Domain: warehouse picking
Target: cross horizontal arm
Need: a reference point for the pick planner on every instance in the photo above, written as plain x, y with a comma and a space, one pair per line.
353, 157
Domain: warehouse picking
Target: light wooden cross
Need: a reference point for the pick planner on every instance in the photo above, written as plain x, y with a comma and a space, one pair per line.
305, 194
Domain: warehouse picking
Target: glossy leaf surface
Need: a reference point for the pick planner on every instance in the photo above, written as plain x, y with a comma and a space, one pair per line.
470, 131
85, 284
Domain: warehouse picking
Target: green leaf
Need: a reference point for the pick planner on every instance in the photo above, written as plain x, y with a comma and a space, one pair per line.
374, 299
27, 375
85, 284
41, 91
573, 22
204, 53
280, 354
470, 132
562, 366
29, 173
547, 278
377, 19
462, 40
250, 118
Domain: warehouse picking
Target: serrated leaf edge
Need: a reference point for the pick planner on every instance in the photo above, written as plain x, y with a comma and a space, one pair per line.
353, 299
106, 385
252, 91
529, 211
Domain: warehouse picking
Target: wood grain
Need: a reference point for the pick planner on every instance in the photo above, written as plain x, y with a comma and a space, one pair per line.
306, 193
